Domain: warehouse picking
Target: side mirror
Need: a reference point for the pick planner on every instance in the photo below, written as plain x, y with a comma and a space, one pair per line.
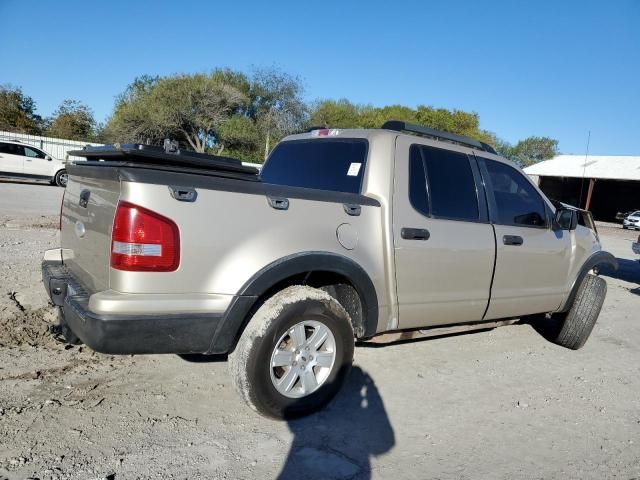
48, 158
566, 219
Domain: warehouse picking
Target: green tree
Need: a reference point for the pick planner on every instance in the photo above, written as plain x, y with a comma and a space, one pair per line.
534, 149
276, 105
224, 111
503, 147
72, 120
17, 111
336, 114
190, 108
344, 114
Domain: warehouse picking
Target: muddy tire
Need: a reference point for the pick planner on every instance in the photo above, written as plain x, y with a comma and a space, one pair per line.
294, 354
577, 324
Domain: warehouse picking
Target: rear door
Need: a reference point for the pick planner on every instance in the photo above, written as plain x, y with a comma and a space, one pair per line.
444, 245
11, 158
533, 260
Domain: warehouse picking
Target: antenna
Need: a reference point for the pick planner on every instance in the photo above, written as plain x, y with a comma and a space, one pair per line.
584, 169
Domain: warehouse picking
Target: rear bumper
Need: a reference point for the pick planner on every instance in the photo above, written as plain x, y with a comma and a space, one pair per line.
138, 333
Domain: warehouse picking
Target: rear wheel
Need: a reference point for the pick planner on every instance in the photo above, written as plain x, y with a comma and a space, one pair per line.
294, 354
61, 178
578, 322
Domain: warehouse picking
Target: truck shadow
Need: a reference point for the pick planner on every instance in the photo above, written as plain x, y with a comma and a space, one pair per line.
339, 441
628, 271
547, 328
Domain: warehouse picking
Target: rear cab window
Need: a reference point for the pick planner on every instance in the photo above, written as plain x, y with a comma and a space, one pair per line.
335, 164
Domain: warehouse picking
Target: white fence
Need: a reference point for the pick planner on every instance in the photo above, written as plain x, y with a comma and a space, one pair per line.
56, 147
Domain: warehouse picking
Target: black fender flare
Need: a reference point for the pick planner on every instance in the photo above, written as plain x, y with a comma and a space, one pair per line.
236, 316
595, 260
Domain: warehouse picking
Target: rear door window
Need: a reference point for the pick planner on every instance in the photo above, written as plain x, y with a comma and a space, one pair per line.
450, 189
326, 164
11, 148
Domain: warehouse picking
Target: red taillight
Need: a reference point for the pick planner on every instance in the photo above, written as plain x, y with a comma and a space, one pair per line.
144, 241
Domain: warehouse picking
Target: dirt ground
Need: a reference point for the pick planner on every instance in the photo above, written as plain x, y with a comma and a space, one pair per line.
500, 404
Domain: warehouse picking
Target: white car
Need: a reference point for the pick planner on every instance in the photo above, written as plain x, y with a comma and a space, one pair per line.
632, 220
19, 159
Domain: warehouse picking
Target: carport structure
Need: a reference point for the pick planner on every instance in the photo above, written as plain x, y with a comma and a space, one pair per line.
603, 184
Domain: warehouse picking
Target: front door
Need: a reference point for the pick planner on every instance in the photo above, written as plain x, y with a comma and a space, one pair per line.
444, 245
533, 260
35, 163
11, 158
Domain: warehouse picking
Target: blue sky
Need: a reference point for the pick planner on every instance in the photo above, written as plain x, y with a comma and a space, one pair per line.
553, 68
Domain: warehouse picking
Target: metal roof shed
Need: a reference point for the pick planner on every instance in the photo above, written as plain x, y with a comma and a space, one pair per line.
604, 184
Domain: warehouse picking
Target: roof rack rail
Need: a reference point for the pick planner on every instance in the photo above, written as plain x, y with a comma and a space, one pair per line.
400, 126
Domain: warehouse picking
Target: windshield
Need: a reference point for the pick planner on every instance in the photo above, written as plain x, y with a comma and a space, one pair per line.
325, 164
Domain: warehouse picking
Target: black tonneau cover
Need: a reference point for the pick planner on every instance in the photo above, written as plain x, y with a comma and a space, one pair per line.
147, 155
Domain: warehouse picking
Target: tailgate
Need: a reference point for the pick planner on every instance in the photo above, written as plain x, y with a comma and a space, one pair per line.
87, 220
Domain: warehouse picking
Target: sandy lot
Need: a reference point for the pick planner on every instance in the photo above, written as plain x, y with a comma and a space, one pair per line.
499, 404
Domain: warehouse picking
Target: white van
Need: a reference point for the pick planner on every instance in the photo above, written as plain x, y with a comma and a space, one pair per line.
19, 159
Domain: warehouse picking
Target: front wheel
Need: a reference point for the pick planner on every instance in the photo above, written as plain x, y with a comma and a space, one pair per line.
579, 321
295, 353
61, 178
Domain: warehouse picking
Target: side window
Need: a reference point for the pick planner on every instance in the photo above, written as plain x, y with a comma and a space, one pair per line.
518, 203
418, 182
9, 148
33, 153
450, 190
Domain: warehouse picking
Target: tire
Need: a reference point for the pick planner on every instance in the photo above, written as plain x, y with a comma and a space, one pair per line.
282, 331
578, 322
61, 178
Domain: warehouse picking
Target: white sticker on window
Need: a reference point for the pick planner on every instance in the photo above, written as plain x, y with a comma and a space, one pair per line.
354, 169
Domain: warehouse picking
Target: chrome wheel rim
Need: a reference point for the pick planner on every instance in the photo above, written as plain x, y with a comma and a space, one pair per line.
63, 179
302, 359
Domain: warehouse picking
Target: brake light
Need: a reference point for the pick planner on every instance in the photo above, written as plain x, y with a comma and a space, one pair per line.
326, 132
144, 241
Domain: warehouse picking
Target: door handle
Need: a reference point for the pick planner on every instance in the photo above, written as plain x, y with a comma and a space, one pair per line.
279, 203
512, 240
352, 209
415, 234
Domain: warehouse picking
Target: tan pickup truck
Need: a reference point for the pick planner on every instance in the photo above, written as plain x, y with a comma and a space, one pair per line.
343, 236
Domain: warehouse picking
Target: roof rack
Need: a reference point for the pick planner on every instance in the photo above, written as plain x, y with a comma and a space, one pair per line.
400, 126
